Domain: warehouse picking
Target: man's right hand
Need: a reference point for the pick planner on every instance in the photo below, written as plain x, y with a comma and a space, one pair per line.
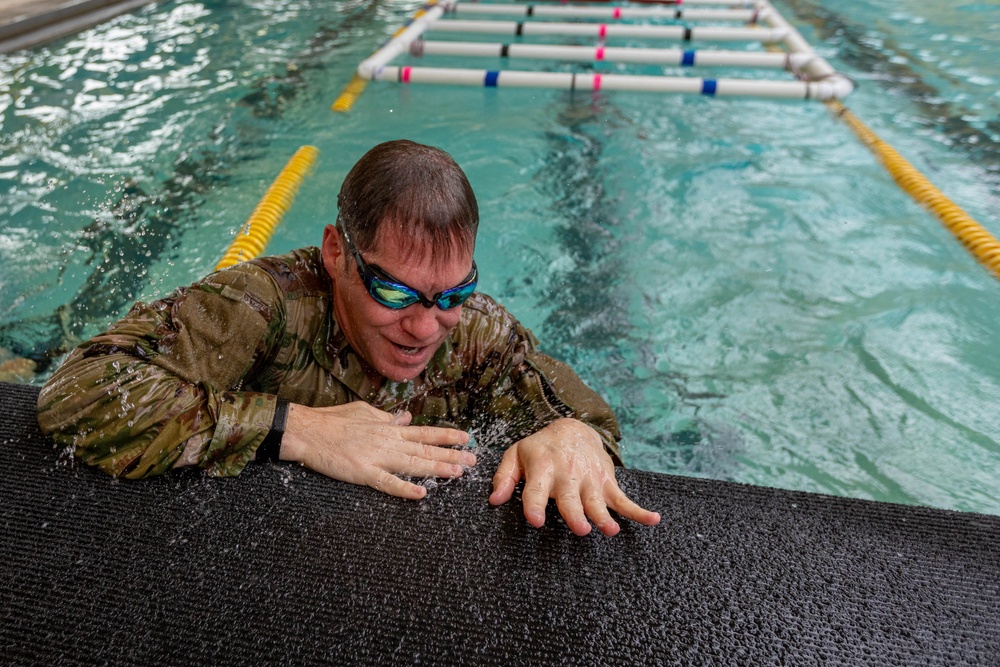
360, 444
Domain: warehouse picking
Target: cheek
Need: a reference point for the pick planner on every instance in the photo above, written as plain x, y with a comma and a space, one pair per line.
380, 317
368, 311
449, 319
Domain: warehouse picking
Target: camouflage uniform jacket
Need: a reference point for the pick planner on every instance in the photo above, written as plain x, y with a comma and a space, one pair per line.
193, 379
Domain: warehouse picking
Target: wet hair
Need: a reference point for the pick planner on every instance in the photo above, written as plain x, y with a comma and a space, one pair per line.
419, 188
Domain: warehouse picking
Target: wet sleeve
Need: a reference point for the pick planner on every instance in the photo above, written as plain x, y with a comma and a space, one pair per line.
524, 390
162, 387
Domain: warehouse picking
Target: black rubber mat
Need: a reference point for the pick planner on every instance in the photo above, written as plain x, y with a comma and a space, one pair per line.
280, 566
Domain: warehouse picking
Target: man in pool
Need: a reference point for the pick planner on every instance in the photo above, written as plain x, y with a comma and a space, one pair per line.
368, 360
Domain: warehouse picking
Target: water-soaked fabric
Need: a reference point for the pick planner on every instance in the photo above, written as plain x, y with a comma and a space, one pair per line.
192, 379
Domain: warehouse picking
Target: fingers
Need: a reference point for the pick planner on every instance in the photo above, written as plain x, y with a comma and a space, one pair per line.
433, 435
402, 418
507, 476
622, 504
417, 461
395, 486
536, 494
360, 444
426, 461
597, 510
598, 500
459, 457
576, 508
571, 510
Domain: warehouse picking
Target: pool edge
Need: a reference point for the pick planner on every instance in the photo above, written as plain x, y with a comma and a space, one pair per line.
48, 22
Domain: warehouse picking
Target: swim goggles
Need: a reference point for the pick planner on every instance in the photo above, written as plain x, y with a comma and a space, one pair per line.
394, 294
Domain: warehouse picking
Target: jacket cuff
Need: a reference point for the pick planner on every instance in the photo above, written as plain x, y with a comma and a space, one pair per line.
242, 422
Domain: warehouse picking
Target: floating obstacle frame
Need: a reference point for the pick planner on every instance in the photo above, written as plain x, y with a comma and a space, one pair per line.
813, 77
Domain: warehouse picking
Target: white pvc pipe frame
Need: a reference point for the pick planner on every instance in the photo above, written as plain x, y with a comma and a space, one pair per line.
823, 80
552, 11
598, 82
605, 30
599, 53
400, 42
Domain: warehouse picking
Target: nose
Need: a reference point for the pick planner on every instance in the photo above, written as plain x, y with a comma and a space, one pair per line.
422, 323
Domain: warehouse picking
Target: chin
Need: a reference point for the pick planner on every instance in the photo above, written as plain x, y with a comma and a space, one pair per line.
398, 368
400, 375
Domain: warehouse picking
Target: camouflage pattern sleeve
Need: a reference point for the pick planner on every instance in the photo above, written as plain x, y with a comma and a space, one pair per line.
161, 388
522, 390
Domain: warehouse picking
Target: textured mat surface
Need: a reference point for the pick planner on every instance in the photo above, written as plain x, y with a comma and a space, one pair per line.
283, 566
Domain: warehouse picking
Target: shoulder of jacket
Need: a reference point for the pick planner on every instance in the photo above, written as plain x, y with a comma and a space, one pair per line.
484, 321
484, 307
297, 274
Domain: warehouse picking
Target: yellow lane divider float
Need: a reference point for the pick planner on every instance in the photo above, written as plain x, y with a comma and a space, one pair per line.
259, 227
352, 91
976, 239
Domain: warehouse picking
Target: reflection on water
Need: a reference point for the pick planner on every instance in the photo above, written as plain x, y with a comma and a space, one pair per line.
123, 98
589, 295
931, 78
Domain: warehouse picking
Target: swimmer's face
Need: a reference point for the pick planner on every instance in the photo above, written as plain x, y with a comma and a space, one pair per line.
397, 343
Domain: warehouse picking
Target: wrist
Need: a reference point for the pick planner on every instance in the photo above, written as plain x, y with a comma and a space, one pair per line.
573, 425
291, 442
270, 448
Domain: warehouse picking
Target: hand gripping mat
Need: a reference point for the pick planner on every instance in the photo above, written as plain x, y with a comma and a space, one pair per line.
282, 566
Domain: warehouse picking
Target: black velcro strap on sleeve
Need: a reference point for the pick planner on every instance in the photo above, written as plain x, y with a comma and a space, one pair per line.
270, 449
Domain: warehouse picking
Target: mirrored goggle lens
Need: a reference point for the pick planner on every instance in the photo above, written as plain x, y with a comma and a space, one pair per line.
391, 296
397, 297
456, 297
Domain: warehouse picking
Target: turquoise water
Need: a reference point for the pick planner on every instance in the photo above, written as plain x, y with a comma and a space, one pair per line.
741, 279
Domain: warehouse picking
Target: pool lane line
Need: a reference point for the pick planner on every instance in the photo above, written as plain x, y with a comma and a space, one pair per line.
123, 249
976, 239
938, 109
257, 231
350, 94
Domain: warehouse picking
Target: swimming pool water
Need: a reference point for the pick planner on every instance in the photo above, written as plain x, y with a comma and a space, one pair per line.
740, 278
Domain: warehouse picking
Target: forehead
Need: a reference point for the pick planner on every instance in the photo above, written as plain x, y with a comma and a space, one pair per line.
394, 245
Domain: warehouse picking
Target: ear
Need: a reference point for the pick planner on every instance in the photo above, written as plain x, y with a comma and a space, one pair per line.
332, 250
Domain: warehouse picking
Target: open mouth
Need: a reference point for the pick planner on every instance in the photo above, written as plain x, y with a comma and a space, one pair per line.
411, 351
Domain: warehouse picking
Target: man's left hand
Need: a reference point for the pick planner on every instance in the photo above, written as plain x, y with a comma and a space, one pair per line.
566, 461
